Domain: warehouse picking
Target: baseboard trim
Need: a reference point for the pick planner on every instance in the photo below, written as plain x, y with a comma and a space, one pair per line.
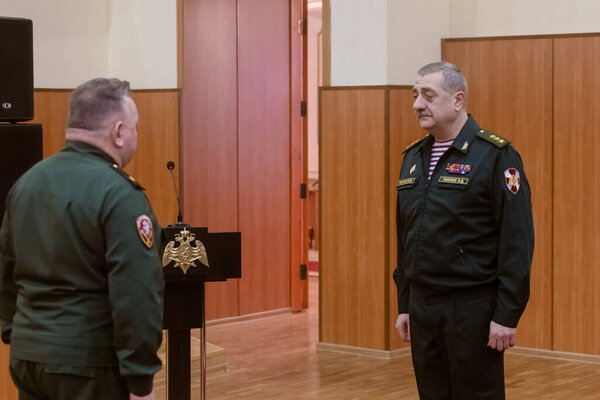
363, 351
555, 355
248, 317
405, 352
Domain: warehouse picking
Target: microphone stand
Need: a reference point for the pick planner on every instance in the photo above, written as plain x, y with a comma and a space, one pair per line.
179, 224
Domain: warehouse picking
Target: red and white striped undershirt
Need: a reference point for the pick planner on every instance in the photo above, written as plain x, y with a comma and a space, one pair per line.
437, 150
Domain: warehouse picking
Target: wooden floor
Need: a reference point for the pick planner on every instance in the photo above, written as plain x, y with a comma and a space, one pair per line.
275, 358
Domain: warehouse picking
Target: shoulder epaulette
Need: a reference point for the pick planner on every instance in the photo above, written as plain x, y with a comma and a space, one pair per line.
413, 144
127, 177
491, 137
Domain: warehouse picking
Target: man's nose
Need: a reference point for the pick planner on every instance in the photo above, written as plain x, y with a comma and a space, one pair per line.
418, 104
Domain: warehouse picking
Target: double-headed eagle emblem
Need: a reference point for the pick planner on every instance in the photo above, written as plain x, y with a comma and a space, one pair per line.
184, 255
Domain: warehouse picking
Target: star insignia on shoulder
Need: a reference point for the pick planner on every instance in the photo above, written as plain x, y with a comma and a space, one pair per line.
496, 140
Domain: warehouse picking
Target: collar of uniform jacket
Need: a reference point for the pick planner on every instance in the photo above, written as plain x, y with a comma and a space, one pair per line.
81, 147
462, 142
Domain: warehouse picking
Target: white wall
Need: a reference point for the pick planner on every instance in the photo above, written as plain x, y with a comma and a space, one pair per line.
414, 30
385, 41
142, 42
474, 18
358, 42
70, 41
76, 40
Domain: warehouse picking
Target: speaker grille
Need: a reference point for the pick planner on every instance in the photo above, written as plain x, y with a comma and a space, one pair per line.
16, 69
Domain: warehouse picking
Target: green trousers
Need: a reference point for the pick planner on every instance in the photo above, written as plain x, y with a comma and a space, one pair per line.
37, 381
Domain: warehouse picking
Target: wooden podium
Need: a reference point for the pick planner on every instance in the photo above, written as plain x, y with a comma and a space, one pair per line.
191, 257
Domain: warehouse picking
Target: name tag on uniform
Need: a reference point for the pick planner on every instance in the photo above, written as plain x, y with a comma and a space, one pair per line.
455, 180
405, 182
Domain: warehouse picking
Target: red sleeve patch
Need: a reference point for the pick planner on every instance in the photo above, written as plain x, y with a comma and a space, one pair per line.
145, 230
512, 179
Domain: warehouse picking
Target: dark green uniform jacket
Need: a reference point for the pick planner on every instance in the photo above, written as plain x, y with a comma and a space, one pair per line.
470, 226
78, 286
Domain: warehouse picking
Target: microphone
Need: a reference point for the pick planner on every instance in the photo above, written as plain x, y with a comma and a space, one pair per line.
171, 167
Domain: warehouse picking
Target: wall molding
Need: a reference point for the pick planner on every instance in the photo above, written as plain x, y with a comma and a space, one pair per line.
365, 87
556, 355
405, 352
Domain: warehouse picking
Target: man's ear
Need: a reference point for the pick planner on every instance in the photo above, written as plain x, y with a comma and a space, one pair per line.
116, 135
459, 100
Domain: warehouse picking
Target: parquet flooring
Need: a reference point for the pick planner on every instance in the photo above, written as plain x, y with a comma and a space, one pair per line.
275, 358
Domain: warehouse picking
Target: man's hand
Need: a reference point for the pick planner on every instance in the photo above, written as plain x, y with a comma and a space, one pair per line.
147, 397
501, 337
403, 327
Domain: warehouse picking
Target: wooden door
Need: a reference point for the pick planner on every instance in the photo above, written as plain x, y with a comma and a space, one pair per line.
264, 154
298, 155
209, 137
236, 159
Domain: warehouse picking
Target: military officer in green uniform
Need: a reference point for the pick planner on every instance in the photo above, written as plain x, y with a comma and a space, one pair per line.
80, 276
465, 244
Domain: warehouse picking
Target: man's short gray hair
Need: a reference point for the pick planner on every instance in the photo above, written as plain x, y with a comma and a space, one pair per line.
95, 102
454, 80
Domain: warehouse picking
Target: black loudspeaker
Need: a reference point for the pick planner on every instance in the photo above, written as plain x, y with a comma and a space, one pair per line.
20, 149
16, 69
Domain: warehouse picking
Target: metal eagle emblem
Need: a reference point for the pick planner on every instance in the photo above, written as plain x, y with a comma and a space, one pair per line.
184, 255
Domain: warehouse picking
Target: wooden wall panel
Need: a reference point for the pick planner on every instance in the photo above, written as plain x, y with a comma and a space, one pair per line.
51, 108
209, 135
8, 391
404, 129
576, 184
354, 226
264, 154
158, 143
158, 140
510, 92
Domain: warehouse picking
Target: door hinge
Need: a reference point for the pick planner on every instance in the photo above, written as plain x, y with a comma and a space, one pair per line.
303, 109
303, 272
303, 190
302, 26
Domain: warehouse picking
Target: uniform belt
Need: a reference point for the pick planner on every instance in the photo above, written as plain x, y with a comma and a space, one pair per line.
432, 297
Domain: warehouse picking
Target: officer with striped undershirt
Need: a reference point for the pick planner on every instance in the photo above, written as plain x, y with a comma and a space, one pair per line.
465, 243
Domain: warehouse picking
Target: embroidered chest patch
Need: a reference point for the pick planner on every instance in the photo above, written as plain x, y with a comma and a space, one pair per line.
461, 169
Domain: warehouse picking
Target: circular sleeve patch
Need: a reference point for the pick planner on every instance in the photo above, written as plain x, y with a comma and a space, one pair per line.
144, 228
512, 179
